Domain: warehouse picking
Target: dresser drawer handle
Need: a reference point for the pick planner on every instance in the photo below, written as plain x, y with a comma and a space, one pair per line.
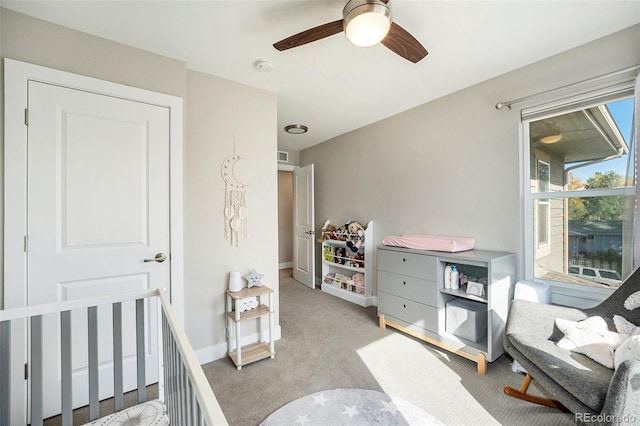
404, 260
404, 282
404, 305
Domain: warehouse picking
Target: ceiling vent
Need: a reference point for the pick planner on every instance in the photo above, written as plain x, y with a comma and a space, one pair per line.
283, 157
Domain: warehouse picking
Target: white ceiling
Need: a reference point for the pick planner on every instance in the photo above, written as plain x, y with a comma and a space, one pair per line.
330, 85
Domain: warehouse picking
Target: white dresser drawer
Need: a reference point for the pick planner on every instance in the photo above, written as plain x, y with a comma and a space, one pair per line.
414, 313
420, 290
414, 265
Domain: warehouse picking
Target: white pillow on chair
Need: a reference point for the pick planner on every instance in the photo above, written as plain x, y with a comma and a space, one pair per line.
590, 337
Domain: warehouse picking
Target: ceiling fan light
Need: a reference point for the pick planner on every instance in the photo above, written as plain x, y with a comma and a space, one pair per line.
551, 139
366, 22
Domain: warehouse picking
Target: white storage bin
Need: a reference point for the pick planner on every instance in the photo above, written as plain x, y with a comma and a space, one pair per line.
534, 291
467, 319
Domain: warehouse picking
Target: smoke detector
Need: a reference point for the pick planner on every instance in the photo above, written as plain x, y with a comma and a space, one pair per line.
263, 65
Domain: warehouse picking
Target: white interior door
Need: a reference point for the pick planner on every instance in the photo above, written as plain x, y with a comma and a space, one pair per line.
304, 264
98, 205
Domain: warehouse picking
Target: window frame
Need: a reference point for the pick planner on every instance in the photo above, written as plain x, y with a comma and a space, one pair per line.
563, 292
543, 202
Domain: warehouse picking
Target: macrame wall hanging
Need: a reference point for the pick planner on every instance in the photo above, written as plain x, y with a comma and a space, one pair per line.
235, 202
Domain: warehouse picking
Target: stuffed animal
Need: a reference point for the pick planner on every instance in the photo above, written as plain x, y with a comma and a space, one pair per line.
355, 236
357, 260
341, 233
340, 255
253, 279
358, 281
328, 233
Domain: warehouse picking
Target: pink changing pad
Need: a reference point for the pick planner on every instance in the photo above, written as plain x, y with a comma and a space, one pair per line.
431, 242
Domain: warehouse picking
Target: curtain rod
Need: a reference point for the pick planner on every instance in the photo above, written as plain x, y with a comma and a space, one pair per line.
508, 104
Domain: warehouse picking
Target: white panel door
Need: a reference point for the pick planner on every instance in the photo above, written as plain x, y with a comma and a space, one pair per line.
98, 205
304, 264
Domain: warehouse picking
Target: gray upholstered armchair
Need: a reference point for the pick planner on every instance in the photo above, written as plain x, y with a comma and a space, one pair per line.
574, 381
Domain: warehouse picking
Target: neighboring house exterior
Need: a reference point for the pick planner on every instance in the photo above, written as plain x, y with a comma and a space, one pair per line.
588, 238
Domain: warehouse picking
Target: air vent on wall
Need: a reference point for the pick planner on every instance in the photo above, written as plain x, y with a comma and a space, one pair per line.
283, 157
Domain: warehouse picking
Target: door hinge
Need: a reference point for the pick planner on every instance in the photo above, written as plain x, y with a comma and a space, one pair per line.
26, 116
26, 371
26, 243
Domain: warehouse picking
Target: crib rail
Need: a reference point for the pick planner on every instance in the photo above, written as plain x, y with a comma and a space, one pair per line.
183, 386
188, 396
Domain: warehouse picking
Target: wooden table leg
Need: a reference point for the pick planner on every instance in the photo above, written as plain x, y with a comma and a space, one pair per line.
482, 364
382, 323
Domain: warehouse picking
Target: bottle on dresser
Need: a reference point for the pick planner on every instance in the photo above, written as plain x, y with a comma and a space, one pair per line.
447, 276
454, 277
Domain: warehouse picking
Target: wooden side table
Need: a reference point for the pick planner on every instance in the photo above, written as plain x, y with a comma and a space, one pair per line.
256, 351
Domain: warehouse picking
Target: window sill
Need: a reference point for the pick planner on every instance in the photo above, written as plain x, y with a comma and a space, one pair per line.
576, 295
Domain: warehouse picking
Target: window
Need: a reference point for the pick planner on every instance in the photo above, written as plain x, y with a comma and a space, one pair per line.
580, 189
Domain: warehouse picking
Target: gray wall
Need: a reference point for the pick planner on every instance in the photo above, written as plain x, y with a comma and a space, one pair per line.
215, 111
451, 166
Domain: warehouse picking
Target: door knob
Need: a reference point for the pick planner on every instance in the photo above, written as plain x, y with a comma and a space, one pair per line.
160, 257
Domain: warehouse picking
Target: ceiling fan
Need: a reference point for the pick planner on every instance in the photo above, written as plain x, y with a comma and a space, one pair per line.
366, 23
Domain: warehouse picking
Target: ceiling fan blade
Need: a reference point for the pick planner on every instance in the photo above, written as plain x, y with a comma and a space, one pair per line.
308, 36
404, 44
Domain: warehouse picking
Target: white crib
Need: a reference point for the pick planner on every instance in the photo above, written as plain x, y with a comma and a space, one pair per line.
183, 387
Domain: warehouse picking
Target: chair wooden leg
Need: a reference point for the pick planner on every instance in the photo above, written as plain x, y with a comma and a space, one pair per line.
522, 394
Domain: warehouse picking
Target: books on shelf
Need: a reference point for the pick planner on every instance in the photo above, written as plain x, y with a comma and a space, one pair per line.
344, 282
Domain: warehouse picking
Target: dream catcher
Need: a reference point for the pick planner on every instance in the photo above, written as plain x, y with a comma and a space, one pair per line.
235, 203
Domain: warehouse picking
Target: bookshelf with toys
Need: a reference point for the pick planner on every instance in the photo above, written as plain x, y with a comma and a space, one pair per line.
347, 255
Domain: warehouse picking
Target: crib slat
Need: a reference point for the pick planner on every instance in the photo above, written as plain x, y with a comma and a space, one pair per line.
142, 390
65, 366
182, 390
168, 366
5, 376
118, 392
193, 405
36, 371
172, 376
176, 383
186, 389
92, 334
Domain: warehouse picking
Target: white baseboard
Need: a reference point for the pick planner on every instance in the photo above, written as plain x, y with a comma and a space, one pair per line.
285, 265
219, 350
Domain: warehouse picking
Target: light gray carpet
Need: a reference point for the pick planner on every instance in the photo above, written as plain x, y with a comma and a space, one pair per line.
328, 343
350, 407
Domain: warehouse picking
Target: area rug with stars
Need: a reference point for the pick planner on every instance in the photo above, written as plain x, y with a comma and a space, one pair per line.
349, 407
